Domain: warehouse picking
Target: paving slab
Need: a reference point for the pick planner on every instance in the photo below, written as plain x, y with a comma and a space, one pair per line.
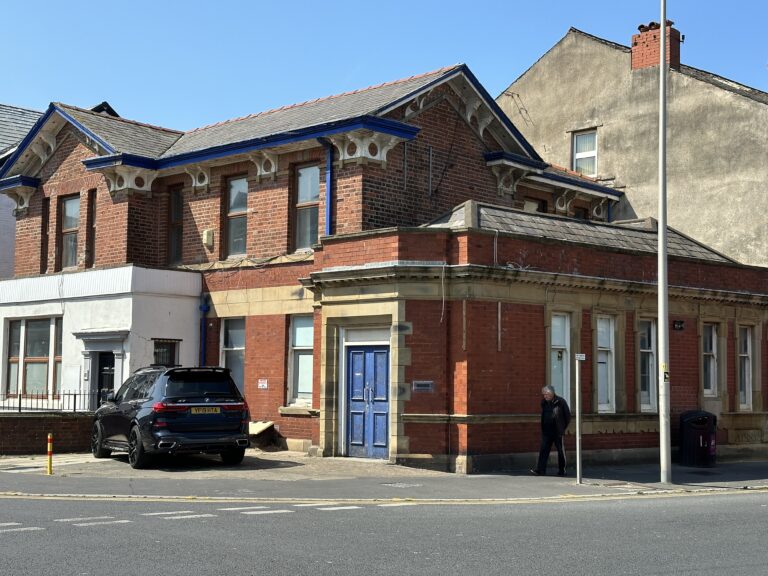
293, 475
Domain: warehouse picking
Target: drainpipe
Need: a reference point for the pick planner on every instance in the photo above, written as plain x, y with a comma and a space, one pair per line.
203, 308
328, 184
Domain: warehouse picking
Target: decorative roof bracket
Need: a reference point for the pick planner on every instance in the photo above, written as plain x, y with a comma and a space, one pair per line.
129, 178
507, 178
598, 208
417, 104
475, 107
266, 164
21, 196
564, 200
364, 145
201, 177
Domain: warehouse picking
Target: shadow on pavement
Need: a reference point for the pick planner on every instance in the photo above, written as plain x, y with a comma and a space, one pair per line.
203, 462
723, 475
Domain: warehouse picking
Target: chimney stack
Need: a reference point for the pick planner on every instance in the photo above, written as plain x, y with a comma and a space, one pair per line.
645, 46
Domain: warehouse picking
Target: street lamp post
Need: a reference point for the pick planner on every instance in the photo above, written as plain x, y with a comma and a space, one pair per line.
663, 296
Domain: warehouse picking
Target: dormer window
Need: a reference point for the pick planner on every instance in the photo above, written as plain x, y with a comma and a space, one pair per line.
585, 153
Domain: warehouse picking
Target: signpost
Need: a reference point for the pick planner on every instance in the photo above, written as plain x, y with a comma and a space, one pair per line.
579, 359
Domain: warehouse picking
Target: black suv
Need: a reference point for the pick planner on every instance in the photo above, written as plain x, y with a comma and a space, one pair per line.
161, 410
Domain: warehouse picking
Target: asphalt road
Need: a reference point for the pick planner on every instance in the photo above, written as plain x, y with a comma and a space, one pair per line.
700, 534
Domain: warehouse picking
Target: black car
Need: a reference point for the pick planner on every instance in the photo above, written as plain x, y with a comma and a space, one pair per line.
161, 410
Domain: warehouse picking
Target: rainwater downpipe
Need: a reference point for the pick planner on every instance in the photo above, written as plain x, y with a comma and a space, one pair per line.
203, 308
328, 185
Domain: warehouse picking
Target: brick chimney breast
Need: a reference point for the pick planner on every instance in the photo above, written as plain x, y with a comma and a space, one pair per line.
646, 45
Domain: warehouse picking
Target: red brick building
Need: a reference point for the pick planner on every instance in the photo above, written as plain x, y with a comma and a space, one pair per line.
389, 273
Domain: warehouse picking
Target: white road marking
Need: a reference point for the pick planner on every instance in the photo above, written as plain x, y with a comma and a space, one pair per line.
394, 504
332, 508
26, 529
167, 513
315, 504
241, 508
83, 519
10, 524
269, 512
189, 516
102, 523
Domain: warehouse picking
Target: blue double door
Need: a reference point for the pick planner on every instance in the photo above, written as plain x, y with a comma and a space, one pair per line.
368, 401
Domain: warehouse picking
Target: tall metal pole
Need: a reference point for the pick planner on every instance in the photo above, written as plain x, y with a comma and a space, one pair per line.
665, 445
579, 358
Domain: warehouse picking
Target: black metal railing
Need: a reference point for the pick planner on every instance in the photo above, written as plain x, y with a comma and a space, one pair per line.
62, 402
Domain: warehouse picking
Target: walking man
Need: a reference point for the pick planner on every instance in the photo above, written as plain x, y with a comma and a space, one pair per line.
555, 417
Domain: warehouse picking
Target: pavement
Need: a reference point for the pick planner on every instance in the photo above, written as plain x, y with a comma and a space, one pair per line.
295, 476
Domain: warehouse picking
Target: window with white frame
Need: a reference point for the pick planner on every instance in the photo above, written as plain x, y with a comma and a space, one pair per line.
307, 206
33, 357
233, 349
745, 367
301, 358
585, 152
606, 371
237, 219
559, 355
648, 366
709, 359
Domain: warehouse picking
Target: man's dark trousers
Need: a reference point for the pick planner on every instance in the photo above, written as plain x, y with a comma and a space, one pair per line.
547, 439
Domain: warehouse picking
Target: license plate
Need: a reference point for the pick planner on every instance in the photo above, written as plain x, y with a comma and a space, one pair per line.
205, 410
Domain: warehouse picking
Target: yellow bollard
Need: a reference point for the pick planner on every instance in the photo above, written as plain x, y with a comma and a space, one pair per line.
49, 471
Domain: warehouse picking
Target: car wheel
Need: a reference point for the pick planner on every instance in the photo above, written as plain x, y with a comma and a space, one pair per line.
233, 456
97, 442
137, 458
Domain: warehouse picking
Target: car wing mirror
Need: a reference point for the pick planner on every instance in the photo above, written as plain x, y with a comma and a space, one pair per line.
110, 397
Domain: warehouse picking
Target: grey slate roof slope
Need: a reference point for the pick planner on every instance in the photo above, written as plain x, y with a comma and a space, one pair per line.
307, 114
635, 236
124, 135
15, 122
702, 75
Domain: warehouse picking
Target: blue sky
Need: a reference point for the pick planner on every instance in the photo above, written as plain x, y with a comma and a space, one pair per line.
188, 64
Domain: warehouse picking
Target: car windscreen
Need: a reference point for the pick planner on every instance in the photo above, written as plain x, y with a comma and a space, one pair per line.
194, 386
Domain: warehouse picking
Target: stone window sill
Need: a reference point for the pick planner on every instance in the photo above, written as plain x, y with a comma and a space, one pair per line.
298, 411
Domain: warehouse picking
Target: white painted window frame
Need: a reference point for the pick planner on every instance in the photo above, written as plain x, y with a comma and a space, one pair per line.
588, 154
293, 399
710, 388
744, 365
565, 349
610, 352
653, 375
223, 350
50, 380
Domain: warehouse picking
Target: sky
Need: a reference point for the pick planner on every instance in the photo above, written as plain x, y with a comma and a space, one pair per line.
187, 64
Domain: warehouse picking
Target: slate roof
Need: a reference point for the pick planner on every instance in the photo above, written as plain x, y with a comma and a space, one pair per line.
632, 236
305, 115
15, 122
124, 135
709, 77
